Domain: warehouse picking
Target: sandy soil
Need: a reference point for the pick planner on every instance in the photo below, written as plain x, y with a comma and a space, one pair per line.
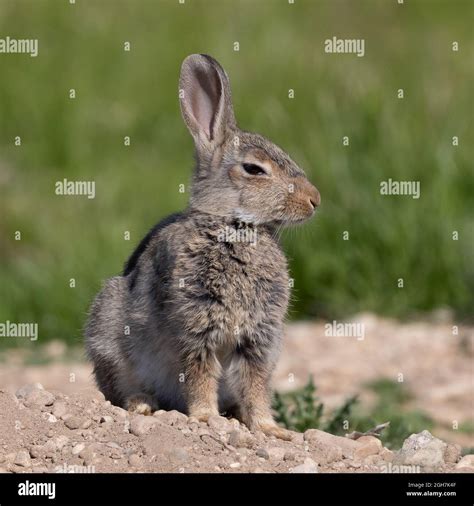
69, 423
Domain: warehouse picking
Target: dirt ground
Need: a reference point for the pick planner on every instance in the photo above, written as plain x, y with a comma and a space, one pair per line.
66, 422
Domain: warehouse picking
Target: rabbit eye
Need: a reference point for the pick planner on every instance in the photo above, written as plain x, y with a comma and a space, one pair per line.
253, 169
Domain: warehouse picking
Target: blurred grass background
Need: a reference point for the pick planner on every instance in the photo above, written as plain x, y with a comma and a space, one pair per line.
134, 94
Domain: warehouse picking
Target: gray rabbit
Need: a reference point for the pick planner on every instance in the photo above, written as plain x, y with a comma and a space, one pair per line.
196, 320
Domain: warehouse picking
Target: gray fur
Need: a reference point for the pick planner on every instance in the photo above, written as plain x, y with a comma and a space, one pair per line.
196, 321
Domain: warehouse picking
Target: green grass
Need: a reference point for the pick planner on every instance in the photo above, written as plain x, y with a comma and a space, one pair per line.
281, 47
301, 410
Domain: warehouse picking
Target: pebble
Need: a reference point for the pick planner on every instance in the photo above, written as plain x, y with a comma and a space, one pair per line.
141, 424
289, 455
77, 449
325, 444
220, 424
262, 453
36, 451
308, 467
106, 419
22, 458
59, 409
173, 417
387, 455
134, 460
466, 462
368, 445
38, 398
61, 441
119, 412
422, 449
40, 469
452, 453
88, 455
27, 389
179, 454
73, 422
276, 453
235, 465
49, 417
48, 449
240, 439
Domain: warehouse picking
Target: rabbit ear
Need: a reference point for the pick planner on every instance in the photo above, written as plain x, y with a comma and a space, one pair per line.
205, 98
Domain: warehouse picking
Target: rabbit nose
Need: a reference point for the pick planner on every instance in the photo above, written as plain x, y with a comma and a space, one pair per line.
315, 198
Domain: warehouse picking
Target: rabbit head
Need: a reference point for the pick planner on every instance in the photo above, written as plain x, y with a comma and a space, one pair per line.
239, 174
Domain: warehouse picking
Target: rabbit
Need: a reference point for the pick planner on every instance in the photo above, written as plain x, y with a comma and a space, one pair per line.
195, 322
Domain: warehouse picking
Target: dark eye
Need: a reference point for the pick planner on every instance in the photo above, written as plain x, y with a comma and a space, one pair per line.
253, 169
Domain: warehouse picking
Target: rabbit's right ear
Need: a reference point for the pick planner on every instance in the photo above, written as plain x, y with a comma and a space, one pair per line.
205, 98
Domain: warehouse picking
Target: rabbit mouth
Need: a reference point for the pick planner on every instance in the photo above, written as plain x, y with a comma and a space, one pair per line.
294, 220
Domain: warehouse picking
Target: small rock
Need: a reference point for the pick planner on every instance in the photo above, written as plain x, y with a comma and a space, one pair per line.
40, 469
309, 466
113, 444
262, 452
141, 424
387, 455
22, 458
203, 432
77, 449
119, 412
290, 455
36, 451
452, 453
59, 409
241, 457
423, 450
466, 462
38, 398
88, 455
73, 422
354, 463
179, 454
106, 419
240, 439
276, 453
173, 417
368, 445
27, 389
49, 417
298, 438
235, 465
61, 441
220, 424
325, 444
134, 460
49, 448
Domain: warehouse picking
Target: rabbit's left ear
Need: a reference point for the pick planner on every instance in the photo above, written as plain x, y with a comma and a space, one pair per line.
205, 98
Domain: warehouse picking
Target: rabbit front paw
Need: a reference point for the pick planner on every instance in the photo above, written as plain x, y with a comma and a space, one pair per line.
140, 404
272, 429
